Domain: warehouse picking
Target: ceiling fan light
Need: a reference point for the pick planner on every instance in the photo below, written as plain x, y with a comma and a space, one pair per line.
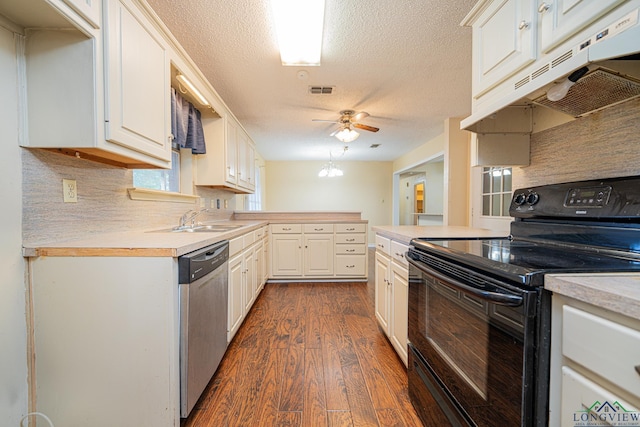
299, 26
347, 135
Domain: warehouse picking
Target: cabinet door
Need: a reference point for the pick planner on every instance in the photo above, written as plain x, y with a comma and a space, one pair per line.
236, 307
89, 9
249, 293
244, 179
286, 255
231, 152
400, 309
138, 110
504, 38
382, 290
260, 267
560, 19
318, 255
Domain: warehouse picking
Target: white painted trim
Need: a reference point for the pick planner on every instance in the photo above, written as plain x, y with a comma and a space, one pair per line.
162, 196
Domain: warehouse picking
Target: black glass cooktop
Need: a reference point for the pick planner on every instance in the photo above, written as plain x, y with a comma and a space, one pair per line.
524, 261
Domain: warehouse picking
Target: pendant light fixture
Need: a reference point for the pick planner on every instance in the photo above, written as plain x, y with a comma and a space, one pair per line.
329, 170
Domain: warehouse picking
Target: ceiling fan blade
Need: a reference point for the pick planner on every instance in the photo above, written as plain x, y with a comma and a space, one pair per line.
359, 116
365, 127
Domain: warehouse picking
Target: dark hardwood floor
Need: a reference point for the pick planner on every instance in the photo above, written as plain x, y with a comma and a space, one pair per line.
309, 354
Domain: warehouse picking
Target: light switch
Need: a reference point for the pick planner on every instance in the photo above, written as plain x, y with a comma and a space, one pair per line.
69, 191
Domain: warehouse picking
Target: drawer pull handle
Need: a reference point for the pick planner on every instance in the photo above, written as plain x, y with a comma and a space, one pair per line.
351, 240
319, 229
350, 229
351, 250
543, 7
523, 25
350, 266
286, 228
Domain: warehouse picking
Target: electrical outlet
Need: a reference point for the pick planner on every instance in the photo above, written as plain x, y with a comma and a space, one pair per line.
69, 191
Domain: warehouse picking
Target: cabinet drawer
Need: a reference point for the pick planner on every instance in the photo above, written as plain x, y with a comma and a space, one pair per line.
249, 239
350, 238
347, 249
581, 396
351, 265
286, 228
260, 233
383, 244
236, 245
608, 348
351, 228
397, 252
318, 228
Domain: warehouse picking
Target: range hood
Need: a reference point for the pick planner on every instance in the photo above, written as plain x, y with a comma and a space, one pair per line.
613, 61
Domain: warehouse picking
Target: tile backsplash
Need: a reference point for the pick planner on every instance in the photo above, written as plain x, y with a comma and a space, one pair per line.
103, 202
604, 144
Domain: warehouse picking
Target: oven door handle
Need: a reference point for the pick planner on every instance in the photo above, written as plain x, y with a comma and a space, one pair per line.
500, 298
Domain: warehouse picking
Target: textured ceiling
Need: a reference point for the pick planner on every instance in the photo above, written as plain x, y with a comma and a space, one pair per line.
407, 63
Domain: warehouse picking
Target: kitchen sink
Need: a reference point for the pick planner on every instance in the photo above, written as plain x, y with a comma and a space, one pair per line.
209, 228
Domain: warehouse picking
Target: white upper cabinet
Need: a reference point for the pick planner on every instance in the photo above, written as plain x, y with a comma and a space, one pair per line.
89, 9
138, 97
230, 159
231, 153
560, 19
504, 41
73, 76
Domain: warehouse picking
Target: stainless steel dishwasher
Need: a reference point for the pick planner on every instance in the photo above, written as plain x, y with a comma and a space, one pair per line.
203, 277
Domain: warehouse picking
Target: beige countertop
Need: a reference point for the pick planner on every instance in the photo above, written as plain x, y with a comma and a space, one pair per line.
618, 292
145, 243
404, 233
155, 243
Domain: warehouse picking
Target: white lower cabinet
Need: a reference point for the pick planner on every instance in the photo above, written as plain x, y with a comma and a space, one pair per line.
318, 254
392, 292
105, 336
594, 363
383, 290
246, 276
236, 306
286, 255
399, 277
319, 251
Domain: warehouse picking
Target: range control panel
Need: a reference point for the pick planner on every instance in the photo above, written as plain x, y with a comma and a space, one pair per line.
592, 197
611, 199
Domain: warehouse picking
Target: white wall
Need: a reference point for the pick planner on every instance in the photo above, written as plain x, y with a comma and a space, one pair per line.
13, 347
365, 187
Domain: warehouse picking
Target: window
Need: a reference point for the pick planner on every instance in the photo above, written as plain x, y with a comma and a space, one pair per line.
253, 202
160, 179
496, 191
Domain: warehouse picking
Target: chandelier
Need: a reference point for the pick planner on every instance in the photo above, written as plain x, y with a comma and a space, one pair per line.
330, 170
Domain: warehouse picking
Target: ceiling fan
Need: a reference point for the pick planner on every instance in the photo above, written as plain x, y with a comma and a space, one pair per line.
347, 120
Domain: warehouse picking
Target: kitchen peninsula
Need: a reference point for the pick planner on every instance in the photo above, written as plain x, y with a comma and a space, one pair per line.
104, 309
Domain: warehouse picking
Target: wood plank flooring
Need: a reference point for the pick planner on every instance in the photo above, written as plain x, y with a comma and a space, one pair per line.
308, 354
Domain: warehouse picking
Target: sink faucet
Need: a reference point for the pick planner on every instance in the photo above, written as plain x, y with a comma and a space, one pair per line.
190, 217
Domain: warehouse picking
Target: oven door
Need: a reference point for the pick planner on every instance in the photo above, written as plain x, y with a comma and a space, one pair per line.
472, 342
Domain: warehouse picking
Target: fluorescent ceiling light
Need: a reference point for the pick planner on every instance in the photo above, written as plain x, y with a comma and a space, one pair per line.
195, 92
299, 26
